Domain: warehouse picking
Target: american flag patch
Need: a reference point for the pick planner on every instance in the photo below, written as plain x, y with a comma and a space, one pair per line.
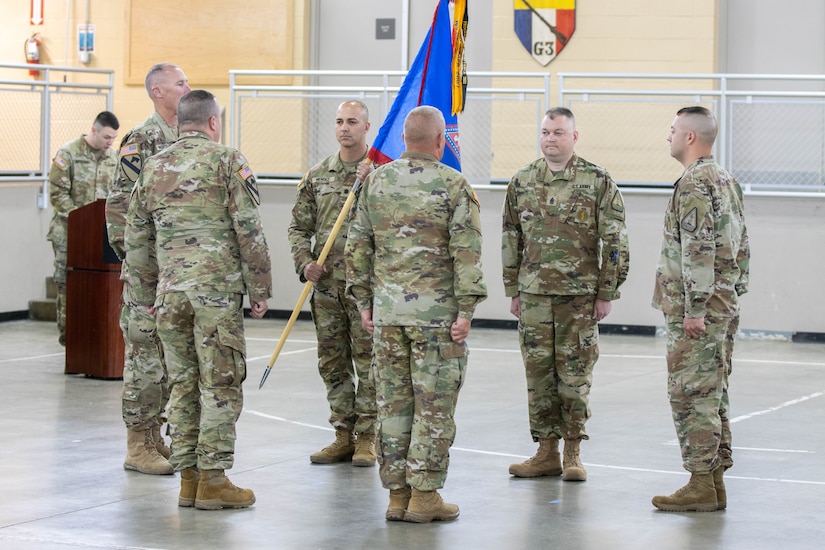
245, 172
128, 149
60, 161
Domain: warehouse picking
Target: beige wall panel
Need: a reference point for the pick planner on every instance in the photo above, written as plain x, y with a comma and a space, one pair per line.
208, 37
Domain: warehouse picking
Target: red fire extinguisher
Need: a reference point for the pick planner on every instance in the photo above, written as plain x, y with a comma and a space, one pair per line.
32, 48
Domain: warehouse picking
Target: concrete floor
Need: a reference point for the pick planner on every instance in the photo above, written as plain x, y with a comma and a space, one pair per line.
64, 485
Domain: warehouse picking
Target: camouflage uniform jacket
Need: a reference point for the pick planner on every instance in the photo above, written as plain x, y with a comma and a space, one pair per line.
414, 247
79, 175
198, 201
704, 264
143, 141
321, 195
555, 227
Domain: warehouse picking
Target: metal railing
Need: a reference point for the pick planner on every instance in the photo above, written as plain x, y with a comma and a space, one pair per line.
41, 113
772, 127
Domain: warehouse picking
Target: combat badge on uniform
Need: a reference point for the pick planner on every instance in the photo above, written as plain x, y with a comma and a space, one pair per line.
249, 182
130, 161
691, 220
617, 205
544, 27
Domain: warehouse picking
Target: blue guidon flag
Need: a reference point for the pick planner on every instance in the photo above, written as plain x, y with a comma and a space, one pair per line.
437, 77
544, 27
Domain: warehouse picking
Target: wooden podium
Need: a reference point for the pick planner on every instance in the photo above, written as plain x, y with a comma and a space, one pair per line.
94, 341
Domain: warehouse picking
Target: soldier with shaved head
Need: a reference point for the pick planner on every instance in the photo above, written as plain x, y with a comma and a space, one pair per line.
702, 271
414, 269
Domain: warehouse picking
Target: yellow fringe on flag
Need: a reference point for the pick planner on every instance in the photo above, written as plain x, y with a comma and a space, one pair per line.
459, 65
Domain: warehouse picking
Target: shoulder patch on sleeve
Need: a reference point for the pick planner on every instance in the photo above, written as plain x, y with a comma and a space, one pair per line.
690, 221
130, 161
249, 183
61, 162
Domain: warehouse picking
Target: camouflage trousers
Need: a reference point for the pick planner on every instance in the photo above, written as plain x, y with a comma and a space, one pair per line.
344, 359
418, 374
203, 338
559, 341
698, 372
145, 383
60, 249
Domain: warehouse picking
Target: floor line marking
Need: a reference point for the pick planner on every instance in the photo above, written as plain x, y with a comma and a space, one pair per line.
293, 352
675, 443
589, 464
776, 408
30, 358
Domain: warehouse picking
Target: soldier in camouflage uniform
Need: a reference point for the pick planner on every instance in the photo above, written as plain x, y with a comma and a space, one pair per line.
564, 257
82, 171
702, 271
414, 268
145, 382
195, 206
342, 342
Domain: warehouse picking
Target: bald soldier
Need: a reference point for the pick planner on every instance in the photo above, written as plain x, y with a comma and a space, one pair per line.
344, 347
414, 269
702, 271
196, 204
145, 382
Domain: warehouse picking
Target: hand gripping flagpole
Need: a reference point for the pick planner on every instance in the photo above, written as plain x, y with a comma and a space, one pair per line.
308, 286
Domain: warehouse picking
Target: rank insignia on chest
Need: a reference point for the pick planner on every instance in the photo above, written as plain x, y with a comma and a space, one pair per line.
130, 161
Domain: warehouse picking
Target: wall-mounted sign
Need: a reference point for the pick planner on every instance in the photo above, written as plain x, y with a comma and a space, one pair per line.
385, 29
544, 27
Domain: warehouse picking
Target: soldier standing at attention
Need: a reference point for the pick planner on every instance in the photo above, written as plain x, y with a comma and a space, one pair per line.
196, 205
342, 342
145, 383
703, 269
414, 267
82, 171
564, 256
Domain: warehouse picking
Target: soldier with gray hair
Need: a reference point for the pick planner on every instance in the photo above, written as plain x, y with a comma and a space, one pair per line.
145, 382
703, 269
194, 246
564, 256
414, 269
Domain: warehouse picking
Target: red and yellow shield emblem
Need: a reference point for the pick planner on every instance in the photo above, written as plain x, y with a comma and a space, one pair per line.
544, 27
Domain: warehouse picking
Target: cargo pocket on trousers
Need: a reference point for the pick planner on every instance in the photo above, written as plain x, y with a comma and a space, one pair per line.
588, 338
229, 361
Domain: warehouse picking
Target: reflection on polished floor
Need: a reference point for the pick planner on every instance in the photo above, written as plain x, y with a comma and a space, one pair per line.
64, 443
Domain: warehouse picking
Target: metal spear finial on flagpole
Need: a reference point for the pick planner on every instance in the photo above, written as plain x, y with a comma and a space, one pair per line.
308, 286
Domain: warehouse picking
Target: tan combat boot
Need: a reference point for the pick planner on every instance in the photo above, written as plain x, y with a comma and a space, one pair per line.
545, 462
143, 456
573, 469
215, 492
719, 486
427, 506
699, 495
338, 451
189, 478
399, 501
364, 450
160, 444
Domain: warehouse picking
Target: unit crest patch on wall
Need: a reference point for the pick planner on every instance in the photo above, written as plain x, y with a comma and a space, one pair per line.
544, 27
